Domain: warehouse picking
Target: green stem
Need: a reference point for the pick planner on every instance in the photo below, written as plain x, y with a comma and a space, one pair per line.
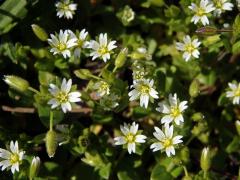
105, 67
185, 171
204, 174
190, 139
114, 70
33, 90
51, 121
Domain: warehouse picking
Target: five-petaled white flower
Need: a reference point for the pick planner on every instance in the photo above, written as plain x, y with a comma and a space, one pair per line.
166, 140
201, 11
131, 137
63, 96
11, 158
66, 9
102, 88
172, 110
81, 41
221, 6
189, 47
102, 48
62, 43
143, 89
234, 92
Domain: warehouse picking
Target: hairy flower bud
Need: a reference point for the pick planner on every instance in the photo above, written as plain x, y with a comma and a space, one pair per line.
121, 58
205, 160
34, 168
51, 143
16, 83
39, 32
207, 31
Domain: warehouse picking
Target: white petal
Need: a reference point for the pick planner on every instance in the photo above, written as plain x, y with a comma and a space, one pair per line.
119, 140
169, 131
131, 148
54, 102
74, 96
156, 146
134, 128
177, 140
140, 138
66, 107
166, 119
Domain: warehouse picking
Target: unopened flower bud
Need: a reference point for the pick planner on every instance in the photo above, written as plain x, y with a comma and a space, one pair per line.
39, 32
51, 143
207, 31
121, 58
34, 168
237, 124
16, 83
128, 15
194, 88
205, 161
83, 73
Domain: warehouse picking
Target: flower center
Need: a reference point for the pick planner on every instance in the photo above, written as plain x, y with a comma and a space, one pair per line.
200, 12
80, 43
175, 111
62, 97
237, 92
62, 46
189, 48
103, 50
167, 143
130, 138
104, 86
144, 89
218, 4
14, 158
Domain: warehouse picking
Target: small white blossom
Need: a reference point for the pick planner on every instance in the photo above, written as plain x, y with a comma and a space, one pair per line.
131, 137
189, 47
173, 110
234, 92
102, 87
143, 89
166, 140
63, 96
62, 43
80, 43
201, 11
66, 9
103, 48
221, 6
11, 158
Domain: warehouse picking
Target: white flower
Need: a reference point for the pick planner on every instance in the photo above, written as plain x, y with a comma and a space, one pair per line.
143, 89
66, 9
63, 96
189, 47
102, 87
130, 137
222, 5
172, 110
201, 11
62, 43
81, 41
11, 158
103, 48
166, 140
234, 92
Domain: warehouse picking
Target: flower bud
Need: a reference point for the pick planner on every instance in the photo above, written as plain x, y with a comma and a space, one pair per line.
39, 32
205, 161
83, 73
121, 58
128, 15
194, 88
51, 143
34, 168
16, 83
237, 124
207, 31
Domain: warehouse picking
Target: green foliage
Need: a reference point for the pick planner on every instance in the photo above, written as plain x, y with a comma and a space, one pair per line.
81, 142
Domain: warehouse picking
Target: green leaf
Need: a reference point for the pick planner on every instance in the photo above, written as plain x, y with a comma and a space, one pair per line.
159, 172
11, 10
83, 74
234, 146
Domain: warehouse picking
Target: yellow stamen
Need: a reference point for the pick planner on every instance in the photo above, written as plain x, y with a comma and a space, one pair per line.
130, 138
62, 97
14, 158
